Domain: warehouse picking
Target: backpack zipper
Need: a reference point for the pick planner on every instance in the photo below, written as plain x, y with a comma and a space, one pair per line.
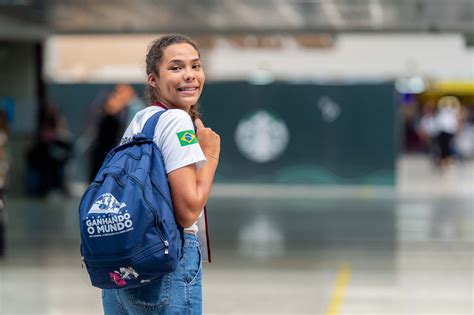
113, 260
153, 211
161, 192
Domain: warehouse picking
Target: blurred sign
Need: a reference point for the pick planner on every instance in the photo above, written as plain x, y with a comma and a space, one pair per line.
256, 41
325, 146
287, 133
329, 109
452, 87
314, 40
262, 136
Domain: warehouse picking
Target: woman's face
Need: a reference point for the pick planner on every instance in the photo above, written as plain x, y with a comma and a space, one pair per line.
181, 78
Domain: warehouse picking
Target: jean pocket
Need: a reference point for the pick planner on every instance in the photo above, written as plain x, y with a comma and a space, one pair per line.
192, 263
150, 297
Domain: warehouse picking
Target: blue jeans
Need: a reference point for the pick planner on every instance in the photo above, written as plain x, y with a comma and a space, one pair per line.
179, 292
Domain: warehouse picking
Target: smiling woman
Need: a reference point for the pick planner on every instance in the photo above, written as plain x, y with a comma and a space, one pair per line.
174, 84
175, 74
181, 77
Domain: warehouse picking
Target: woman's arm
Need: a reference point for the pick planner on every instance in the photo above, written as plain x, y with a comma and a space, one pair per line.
190, 188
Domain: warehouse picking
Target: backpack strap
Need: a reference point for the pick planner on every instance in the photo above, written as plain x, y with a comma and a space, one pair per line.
149, 128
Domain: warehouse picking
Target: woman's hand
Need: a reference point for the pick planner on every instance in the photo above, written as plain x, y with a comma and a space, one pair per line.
209, 141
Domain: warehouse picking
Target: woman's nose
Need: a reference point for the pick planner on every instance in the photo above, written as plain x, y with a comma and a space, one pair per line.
189, 75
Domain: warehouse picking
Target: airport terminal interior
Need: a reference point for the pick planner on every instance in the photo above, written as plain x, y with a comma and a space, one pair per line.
290, 251
345, 183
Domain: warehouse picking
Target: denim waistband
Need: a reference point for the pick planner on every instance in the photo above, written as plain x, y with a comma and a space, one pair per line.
190, 237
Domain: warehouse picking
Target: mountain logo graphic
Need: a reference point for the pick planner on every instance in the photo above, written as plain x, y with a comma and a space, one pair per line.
106, 203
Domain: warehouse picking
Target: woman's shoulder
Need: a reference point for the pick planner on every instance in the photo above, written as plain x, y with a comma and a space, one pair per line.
176, 115
145, 113
149, 110
169, 117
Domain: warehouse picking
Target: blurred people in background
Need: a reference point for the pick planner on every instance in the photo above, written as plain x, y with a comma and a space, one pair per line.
134, 103
47, 158
4, 165
428, 130
4, 161
115, 113
464, 141
446, 131
447, 124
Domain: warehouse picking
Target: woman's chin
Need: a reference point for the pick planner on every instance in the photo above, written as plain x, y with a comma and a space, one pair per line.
188, 101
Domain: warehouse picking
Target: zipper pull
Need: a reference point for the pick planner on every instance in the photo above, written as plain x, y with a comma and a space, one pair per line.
166, 247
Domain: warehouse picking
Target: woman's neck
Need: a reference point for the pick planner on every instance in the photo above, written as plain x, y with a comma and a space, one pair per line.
169, 106
160, 104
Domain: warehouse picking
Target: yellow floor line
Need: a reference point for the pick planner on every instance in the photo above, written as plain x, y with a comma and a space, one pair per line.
338, 294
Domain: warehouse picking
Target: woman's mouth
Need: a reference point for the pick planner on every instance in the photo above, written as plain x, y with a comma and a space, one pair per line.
187, 91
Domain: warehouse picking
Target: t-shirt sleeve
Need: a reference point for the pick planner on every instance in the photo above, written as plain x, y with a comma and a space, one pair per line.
175, 136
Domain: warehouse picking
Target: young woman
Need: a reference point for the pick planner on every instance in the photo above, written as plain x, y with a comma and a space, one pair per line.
175, 81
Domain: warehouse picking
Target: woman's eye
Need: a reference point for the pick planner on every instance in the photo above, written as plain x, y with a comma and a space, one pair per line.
197, 66
175, 68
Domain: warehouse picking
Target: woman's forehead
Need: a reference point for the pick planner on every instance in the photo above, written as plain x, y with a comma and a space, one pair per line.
182, 51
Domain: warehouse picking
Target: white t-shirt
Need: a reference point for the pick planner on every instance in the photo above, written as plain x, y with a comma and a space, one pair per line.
174, 136
428, 125
447, 120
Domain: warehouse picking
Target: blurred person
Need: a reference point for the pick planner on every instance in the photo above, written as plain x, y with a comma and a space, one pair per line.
4, 161
4, 166
111, 124
174, 83
128, 96
428, 129
116, 112
447, 122
464, 141
47, 158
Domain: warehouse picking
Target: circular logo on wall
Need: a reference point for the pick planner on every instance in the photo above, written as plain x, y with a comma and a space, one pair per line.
262, 136
330, 110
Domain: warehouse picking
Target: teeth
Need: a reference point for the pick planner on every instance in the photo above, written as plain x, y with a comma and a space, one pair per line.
187, 89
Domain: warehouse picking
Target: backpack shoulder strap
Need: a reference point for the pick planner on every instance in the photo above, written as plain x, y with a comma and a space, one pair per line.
149, 128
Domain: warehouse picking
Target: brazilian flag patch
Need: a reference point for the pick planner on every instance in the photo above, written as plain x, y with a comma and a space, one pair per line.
187, 137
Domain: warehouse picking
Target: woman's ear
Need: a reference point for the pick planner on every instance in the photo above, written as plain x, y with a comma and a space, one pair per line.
152, 81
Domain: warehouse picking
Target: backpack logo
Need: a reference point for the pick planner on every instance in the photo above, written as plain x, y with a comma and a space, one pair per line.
106, 204
125, 273
105, 218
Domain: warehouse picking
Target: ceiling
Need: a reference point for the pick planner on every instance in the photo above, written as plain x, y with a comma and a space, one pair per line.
33, 18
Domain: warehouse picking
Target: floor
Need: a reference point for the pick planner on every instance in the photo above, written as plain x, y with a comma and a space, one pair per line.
282, 250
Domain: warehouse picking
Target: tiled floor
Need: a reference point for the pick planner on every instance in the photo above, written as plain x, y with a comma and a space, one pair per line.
298, 250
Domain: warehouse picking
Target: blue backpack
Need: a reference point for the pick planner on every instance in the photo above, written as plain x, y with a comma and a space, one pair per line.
129, 236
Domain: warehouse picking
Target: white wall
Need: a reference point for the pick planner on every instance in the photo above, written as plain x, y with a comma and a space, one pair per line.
353, 56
